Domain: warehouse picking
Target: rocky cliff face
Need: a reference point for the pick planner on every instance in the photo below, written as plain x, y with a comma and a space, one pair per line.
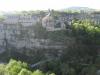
34, 40
33, 35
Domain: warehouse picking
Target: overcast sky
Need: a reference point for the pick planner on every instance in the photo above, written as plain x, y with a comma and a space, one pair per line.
19, 5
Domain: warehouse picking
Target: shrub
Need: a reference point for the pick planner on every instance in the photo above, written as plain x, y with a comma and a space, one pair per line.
14, 67
25, 72
2, 69
37, 72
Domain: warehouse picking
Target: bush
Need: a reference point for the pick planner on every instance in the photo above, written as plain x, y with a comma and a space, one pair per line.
52, 74
2, 69
38, 72
18, 68
14, 67
25, 72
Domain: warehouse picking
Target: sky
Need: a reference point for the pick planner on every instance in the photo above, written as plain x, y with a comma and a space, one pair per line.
20, 5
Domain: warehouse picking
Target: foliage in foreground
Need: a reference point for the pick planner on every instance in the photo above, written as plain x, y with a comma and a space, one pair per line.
18, 68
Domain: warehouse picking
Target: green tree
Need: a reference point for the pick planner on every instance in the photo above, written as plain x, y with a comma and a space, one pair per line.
37, 72
2, 69
25, 72
14, 67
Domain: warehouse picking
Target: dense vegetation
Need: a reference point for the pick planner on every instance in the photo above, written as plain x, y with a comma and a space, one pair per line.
19, 68
87, 31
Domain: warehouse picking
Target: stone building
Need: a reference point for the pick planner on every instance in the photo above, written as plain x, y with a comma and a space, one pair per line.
95, 17
11, 19
52, 24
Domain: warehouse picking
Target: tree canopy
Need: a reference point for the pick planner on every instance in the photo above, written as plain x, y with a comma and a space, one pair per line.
87, 31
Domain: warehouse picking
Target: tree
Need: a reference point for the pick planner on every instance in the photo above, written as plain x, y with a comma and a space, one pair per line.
25, 72
38, 72
2, 69
14, 67
86, 31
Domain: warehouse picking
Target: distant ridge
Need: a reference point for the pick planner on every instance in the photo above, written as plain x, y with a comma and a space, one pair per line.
76, 8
